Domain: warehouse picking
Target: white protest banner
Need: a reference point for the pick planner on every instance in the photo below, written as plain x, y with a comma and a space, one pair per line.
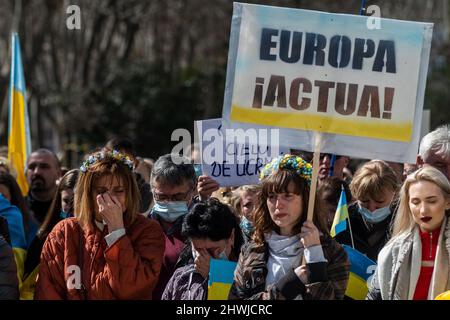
235, 158
307, 71
425, 127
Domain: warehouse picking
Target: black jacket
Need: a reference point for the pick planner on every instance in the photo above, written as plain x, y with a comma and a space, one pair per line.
9, 284
4, 230
369, 238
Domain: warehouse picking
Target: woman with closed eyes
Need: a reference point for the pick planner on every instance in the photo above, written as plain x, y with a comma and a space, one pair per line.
107, 251
414, 264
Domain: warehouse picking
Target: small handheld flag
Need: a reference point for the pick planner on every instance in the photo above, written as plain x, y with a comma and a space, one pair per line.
341, 216
361, 268
221, 275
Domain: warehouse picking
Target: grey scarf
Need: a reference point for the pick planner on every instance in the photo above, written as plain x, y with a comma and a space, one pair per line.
284, 253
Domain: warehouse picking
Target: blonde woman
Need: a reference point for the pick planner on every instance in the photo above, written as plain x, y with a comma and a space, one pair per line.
243, 201
374, 187
108, 251
414, 264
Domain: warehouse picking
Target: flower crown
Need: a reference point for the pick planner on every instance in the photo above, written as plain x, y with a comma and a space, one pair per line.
103, 155
288, 162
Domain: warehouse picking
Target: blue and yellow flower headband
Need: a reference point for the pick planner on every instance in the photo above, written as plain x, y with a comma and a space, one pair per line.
288, 162
102, 155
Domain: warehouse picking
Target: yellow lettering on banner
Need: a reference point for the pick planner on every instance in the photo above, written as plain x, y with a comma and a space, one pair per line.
376, 129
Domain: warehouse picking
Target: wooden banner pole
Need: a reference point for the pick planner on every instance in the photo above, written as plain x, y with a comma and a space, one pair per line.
315, 174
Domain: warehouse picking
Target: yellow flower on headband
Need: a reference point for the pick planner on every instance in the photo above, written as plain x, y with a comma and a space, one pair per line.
288, 162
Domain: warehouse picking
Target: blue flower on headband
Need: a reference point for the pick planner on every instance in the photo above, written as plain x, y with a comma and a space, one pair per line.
288, 162
102, 155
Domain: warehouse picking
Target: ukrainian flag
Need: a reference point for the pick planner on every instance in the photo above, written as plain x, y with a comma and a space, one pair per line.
443, 296
221, 275
341, 216
19, 142
361, 268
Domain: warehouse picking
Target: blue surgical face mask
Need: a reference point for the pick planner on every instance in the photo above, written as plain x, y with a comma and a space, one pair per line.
171, 210
246, 225
198, 169
376, 216
64, 215
223, 256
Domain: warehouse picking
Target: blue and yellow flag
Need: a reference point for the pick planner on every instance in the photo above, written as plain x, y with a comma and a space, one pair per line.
443, 296
221, 275
361, 268
19, 142
341, 216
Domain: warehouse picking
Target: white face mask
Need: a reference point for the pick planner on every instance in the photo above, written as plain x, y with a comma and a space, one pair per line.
222, 255
195, 254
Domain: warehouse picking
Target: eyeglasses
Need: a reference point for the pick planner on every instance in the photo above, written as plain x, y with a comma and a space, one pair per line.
174, 197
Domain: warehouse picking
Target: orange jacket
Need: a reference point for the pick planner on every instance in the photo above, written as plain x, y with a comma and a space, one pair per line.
129, 269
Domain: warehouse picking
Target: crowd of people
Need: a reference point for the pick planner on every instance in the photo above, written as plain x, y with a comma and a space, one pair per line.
124, 227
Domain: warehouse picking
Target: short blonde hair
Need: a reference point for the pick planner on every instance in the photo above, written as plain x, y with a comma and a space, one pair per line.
404, 222
372, 179
84, 202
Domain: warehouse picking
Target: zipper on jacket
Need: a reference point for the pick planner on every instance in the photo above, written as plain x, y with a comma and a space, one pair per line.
431, 245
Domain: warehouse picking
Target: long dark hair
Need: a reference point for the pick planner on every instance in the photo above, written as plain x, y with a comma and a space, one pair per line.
278, 182
68, 181
16, 198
